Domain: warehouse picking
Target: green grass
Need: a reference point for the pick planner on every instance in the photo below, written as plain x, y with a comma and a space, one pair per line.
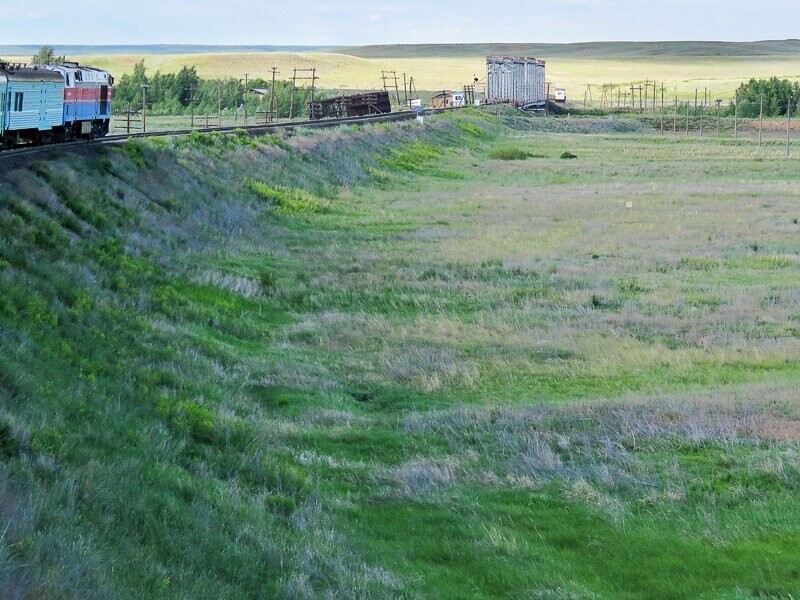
683, 67
390, 362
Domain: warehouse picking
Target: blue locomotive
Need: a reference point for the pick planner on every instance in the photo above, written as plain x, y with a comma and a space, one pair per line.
43, 104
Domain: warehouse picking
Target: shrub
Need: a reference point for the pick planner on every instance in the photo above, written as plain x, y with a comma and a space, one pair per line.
568, 155
135, 153
48, 440
509, 154
267, 280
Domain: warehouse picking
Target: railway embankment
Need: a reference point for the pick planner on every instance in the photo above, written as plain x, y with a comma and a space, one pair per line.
141, 292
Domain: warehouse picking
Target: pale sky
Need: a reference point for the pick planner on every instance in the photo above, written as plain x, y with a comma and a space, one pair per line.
358, 22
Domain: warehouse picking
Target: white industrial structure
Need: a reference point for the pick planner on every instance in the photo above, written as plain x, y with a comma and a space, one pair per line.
517, 80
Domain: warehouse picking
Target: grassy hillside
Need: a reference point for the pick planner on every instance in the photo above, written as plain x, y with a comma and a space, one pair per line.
682, 66
581, 50
393, 362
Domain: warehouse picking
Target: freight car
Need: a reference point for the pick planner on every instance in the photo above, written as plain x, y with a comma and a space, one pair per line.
357, 105
44, 104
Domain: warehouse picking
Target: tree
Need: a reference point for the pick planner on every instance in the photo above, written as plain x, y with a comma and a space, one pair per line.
186, 84
47, 56
776, 93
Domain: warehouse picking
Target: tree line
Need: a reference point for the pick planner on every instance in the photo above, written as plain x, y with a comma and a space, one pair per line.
185, 91
776, 93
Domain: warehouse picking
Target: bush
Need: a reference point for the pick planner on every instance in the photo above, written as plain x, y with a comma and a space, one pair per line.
509, 154
48, 440
568, 155
267, 280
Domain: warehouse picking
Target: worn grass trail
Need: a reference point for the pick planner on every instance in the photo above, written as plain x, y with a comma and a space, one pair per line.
380, 363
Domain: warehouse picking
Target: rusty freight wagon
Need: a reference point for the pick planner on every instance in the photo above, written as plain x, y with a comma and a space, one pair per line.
357, 105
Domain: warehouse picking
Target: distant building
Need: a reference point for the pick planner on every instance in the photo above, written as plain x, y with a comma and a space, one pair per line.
517, 80
447, 99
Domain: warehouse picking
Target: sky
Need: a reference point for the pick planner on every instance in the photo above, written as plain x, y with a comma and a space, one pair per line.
358, 22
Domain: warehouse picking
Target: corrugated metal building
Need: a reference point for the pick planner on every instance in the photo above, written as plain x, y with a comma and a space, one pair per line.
518, 80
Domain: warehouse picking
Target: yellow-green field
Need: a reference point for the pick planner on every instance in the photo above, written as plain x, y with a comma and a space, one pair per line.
684, 73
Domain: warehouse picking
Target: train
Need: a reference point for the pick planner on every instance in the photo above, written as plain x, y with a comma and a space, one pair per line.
44, 104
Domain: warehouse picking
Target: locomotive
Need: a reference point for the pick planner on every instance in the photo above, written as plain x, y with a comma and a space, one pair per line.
44, 104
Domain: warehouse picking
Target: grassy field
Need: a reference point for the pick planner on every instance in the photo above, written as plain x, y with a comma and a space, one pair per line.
681, 66
403, 362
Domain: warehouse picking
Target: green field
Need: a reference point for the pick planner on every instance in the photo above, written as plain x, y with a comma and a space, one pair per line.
681, 66
402, 362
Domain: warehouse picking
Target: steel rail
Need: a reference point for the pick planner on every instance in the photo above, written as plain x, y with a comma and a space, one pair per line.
250, 129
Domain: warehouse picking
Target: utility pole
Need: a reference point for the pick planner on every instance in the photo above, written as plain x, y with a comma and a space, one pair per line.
761, 121
646, 89
736, 116
246, 75
294, 86
144, 107
295, 78
719, 103
662, 109
655, 90
702, 115
273, 112
191, 90
687, 118
675, 115
219, 104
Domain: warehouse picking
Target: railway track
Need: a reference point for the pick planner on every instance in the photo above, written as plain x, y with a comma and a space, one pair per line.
250, 129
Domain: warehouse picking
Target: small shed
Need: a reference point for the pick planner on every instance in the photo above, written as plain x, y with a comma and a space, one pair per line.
446, 99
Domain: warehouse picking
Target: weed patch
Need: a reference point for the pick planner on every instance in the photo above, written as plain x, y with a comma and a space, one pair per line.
291, 201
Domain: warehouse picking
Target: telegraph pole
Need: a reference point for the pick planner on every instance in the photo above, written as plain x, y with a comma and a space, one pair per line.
312, 78
736, 116
294, 86
273, 113
702, 117
761, 121
675, 115
246, 75
144, 107
219, 103
191, 90
719, 103
687, 118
